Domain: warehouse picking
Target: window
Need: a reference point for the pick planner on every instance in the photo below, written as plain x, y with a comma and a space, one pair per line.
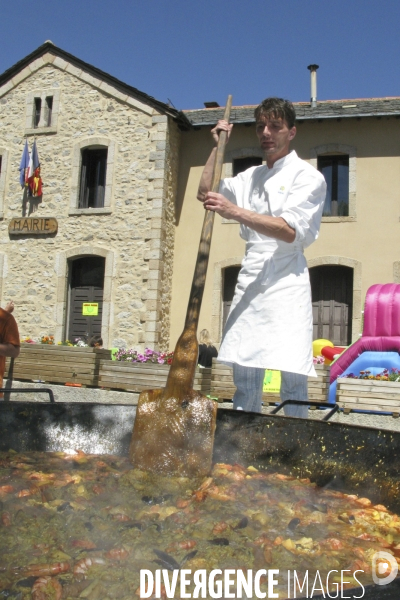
335, 169
36, 112
93, 177
0, 163
42, 107
42, 118
241, 164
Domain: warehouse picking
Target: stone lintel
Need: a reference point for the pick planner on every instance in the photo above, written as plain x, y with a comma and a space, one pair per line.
159, 119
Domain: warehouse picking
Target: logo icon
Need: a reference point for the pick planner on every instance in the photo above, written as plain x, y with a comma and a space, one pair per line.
384, 568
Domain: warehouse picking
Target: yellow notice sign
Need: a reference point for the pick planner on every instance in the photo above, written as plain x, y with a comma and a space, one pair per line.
90, 309
272, 381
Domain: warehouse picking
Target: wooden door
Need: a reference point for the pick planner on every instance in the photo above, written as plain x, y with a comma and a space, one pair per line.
86, 286
332, 302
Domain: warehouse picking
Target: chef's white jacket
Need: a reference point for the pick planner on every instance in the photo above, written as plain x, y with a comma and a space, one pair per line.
270, 322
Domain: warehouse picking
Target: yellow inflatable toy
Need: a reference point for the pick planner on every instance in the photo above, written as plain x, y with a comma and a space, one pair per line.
317, 346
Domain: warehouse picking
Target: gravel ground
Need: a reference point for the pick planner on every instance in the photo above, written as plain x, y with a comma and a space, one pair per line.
359, 419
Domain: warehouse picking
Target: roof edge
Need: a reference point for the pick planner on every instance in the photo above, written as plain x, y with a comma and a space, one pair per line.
325, 110
49, 47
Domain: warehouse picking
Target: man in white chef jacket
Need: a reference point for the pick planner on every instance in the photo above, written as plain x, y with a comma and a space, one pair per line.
279, 207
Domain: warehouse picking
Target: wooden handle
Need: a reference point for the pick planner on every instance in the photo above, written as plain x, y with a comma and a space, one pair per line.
182, 371
199, 278
222, 140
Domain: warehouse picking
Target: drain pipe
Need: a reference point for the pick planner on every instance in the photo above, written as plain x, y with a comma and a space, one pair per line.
313, 72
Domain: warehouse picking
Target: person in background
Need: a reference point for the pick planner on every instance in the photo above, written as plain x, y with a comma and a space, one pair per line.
96, 341
9, 338
206, 349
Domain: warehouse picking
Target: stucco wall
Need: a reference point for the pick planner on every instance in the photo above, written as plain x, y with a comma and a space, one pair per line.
367, 241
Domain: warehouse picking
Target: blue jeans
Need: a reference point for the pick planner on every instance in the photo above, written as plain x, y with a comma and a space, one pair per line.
249, 384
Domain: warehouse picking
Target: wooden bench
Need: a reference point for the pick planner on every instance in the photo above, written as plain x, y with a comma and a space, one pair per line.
223, 388
57, 364
368, 395
136, 377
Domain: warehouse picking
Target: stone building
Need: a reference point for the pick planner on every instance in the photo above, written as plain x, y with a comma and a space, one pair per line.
120, 173
109, 162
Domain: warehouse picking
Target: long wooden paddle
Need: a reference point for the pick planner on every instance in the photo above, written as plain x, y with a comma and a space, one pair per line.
174, 427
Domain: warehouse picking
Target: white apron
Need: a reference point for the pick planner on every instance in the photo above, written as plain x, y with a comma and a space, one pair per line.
270, 321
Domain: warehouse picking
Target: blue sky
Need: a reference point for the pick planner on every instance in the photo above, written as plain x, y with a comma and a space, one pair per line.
190, 52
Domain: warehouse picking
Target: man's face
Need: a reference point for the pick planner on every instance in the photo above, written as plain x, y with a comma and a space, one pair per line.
274, 136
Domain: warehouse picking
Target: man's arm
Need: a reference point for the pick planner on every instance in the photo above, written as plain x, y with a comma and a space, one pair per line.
206, 177
7, 349
274, 227
10, 334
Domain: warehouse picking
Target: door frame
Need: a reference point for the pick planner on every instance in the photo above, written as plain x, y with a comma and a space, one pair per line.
61, 269
332, 303
321, 261
216, 317
70, 262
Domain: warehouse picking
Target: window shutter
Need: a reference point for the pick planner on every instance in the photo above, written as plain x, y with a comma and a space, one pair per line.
83, 193
36, 112
101, 180
49, 110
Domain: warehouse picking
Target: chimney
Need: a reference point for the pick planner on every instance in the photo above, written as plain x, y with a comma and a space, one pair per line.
313, 72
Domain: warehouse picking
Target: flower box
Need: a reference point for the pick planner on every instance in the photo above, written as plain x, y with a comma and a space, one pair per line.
136, 377
223, 388
368, 394
57, 364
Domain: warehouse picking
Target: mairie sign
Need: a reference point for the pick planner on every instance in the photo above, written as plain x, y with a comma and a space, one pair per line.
33, 226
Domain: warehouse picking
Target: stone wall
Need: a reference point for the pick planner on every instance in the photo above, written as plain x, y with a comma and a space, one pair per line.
134, 229
173, 143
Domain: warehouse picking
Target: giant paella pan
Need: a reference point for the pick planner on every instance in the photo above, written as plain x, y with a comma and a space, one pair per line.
303, 497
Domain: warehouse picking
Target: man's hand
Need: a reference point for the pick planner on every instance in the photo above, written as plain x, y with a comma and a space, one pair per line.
221, 126
219, 204
9, 306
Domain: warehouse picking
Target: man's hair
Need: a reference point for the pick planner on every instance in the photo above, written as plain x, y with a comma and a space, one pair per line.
278, 108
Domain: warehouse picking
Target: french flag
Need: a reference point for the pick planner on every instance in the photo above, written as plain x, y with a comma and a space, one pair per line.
24, 165
33, 161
